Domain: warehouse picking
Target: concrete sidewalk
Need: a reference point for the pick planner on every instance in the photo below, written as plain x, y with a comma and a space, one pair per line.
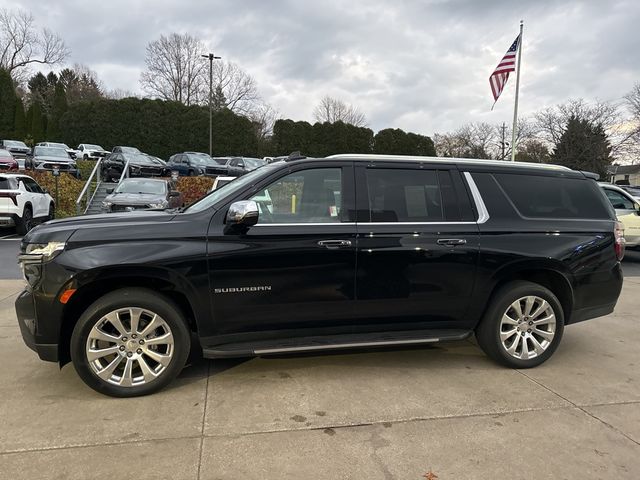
374, 415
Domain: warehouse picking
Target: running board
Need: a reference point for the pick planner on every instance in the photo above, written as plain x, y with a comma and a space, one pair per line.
333, 342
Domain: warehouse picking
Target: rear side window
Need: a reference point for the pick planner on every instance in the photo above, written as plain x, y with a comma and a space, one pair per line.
618, 200
397, 195
554, 197
8, 184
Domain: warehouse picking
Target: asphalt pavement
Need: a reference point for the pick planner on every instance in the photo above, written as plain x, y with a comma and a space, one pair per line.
9, 247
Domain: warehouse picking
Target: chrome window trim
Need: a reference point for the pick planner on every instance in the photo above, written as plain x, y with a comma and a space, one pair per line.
302, 224
483, 213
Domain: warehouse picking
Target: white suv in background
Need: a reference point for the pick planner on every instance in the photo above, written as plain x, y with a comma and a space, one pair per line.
23, 203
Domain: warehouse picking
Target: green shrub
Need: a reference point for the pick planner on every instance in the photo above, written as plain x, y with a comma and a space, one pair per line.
85, 167
68, 190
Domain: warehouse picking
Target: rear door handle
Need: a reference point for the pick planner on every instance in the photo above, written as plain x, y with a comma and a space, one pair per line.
333, 244
451, 241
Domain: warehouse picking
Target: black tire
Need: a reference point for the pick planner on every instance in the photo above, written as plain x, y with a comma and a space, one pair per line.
192, 173
134, 298
85, 157
489, 329
105, 176
52, 212
25, 223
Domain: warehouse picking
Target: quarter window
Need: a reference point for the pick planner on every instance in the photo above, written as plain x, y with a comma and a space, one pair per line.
307, 196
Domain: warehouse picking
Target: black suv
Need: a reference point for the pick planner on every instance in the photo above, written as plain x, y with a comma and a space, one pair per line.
322, 254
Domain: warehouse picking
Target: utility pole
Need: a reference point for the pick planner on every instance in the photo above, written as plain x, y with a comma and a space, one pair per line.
502, 142
211, 58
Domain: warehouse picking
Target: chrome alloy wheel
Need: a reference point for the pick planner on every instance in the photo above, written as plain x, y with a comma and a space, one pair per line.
129, 347
527, 327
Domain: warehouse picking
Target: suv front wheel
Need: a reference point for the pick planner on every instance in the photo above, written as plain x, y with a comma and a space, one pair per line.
130, 342
522, 326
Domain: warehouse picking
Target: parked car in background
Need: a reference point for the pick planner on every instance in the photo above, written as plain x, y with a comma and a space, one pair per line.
121, 149
221, 181
190, 164
88, 151
72, 153
23, 203
142, 193
235, 166
7, 162
140, 165
19, 150
51, 158
627, 210
631, 190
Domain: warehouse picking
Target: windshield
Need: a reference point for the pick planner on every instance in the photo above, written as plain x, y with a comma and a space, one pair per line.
14, 143
57, 145
140, 159
88, 146
8, 183
229, 189
253, 163
156, 187
50, 152
5, 153
129, 150
199, 159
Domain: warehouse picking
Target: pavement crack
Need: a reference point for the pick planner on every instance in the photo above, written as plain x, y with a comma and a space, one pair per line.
204, 418
581, 408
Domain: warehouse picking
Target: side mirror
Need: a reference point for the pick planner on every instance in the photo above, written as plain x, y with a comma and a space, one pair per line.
242, 214
109, 191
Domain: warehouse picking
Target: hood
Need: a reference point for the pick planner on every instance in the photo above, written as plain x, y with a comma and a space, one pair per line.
49, 158
102, 224
134, 198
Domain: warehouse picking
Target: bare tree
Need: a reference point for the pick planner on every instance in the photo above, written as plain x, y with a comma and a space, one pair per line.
174, 68
120, 93
22, 44
551, 122
333, 110
632, 126
239, 90
264, 116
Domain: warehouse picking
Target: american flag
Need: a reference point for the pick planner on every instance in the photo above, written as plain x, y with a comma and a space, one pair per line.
500, 75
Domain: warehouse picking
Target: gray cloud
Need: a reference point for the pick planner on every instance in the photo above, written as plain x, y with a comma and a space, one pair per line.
414, 64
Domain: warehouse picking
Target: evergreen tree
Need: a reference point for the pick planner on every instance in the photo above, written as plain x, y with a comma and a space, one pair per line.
583, 146
7, 105
37, 122
57, 110
20, 130
218, 100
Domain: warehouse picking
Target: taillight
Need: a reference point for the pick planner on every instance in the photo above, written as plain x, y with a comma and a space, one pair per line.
11, 195
619, 237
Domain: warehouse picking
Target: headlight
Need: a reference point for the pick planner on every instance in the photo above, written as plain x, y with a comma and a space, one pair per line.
43, 251
107, 204
158, 205
35, 255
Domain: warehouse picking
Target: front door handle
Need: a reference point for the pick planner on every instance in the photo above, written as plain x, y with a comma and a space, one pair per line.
333, 244
451, 241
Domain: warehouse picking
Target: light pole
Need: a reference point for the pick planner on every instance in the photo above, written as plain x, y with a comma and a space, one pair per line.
211, 57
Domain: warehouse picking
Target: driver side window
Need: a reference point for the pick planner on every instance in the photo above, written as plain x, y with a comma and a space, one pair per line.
307, 196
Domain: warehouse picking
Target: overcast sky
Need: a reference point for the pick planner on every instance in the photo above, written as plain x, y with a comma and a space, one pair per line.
420, 65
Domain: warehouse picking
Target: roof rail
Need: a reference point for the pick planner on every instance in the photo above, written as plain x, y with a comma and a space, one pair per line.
469, 161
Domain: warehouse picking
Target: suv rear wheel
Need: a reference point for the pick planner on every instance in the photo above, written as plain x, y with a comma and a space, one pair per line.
130, 342
522, 326
25, 223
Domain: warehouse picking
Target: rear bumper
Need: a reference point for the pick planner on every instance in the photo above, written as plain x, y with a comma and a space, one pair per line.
8, 220
596, 294
26, 313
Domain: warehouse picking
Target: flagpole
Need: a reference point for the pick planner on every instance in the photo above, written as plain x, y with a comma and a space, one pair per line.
515, 107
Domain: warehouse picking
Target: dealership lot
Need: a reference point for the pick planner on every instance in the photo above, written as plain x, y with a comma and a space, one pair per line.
375, 415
